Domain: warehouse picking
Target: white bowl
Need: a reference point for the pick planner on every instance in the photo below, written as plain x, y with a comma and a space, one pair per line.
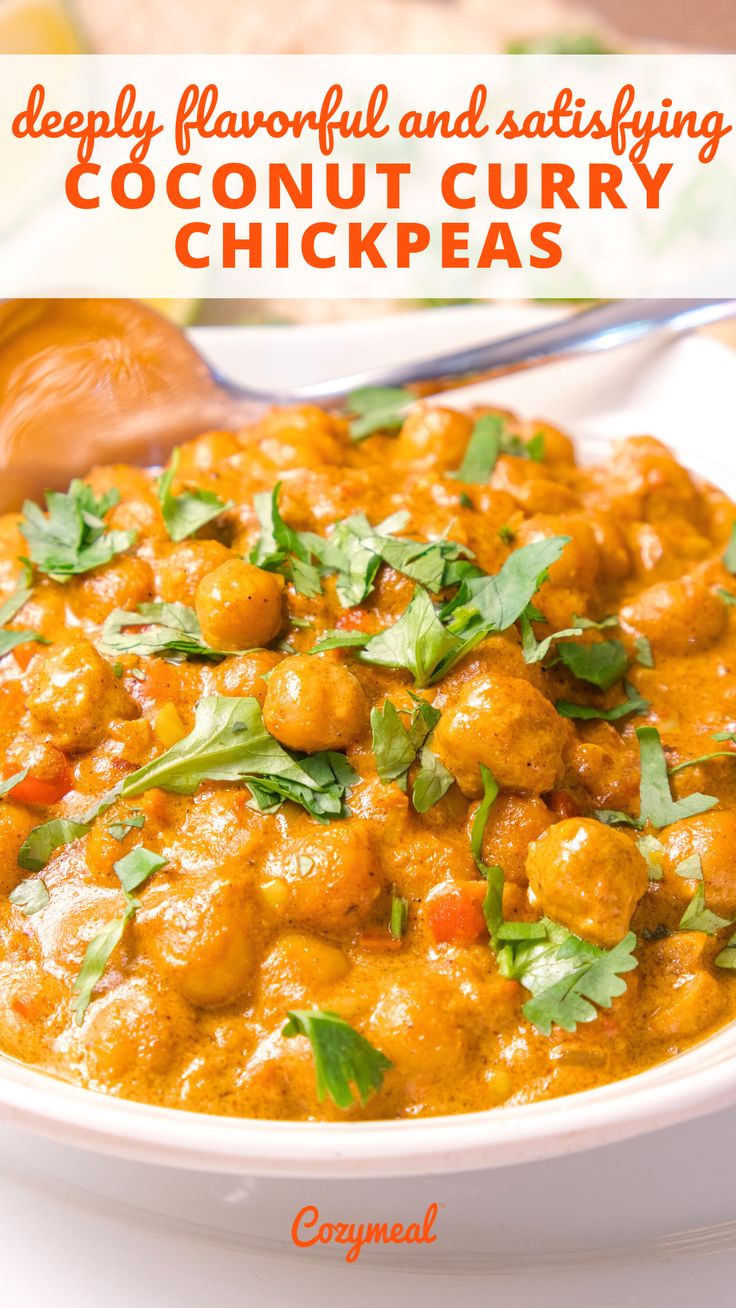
678, 391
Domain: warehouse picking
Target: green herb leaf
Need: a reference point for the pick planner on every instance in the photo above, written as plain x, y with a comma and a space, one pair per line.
137, 866
131, 822
343, 1058
30, 895
602, 664
656, 803
485, 604
184, 514
417, 641
690, 868
396, 745
11, 782
634, 703
17, 599
399, 916
568, 976
377, 408
230, 743
132, 870
281, 549
699, 918
643, 654
493, 901
535, 650
482, 450
613, 817
729, 558
44, 840
72, 537
157, 628
707, 758
432, 781
727, 956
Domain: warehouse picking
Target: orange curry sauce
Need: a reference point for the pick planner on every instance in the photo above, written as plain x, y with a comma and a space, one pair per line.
250, 914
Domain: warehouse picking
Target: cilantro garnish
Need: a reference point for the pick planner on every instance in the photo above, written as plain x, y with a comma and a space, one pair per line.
377, 408
428, 642
11, 608
184, 514
656, 803
490, 438
727, 956
696, 916
634, 703
281, 549
399, 916
396, 746
602, 664
729, 558
707, 758
227, 743
132, 870
643, 652
567, 976
71, 537
133, 821
342, 1057
157, 628
10, 782
30, 895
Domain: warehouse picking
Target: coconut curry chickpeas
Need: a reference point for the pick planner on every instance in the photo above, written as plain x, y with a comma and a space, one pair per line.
396, 762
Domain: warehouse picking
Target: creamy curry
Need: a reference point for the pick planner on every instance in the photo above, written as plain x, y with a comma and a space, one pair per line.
378, 766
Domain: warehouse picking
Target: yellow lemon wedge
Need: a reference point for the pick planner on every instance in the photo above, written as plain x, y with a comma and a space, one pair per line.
36, 27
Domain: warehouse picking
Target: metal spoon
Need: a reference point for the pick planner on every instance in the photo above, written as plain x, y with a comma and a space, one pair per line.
90, 381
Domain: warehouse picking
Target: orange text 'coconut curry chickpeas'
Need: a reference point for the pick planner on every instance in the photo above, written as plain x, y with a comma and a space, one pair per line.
376, 766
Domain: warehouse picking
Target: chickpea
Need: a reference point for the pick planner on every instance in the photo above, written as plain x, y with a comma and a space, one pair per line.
437, 437
15, 825
124, 583
134, 1031
314, 703
244, 674
182, 567
712, 837
589, 877
558, 448
678, 617
507, 725
207, 453
513, 822
613, 552
531, 485
239, 605
417, 1023
204, 935
300, 437
332, 874
682, 996
299, 966
73, 696
30, 1000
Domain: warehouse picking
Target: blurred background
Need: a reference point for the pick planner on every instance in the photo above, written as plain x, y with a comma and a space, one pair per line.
356, 26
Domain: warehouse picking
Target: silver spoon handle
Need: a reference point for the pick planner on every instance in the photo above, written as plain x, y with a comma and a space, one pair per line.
603, 327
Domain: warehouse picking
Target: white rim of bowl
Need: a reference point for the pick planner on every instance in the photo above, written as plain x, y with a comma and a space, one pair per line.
671, 1092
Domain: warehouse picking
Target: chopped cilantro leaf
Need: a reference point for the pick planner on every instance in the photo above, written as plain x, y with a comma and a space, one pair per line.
634, 703
133, 821
396, 744
482, 450
432, 781
157, 628
10, 782
132, 870
727, 956
186, 513
656, 803
30, 895
399, 916
652, 851
71, 537
643, 652
699, 918
280, 548
343, 1058
602, 664
377, 408
729, 558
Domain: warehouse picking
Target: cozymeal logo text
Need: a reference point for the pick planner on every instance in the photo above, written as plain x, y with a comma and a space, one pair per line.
308, 1229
